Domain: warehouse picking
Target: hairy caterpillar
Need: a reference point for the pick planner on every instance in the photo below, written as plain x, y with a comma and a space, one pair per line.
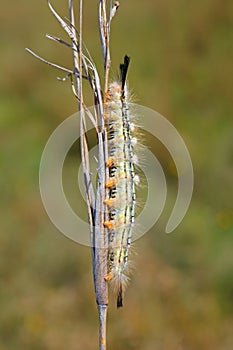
122, 179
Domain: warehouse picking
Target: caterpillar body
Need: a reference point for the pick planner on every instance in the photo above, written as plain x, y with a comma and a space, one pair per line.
121, 183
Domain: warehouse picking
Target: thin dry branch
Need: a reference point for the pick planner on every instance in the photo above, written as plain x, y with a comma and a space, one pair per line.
104, 28
49, 63
84, 68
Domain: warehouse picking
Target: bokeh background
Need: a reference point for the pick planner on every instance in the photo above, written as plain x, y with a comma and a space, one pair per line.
181, 293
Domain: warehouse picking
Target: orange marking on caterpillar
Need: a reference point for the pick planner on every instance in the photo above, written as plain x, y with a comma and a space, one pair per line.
108, 224
109, 202
108, 277
110, 183
109, 162
107, 97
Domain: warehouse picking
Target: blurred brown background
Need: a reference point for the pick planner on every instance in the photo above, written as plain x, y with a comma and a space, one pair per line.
181, 293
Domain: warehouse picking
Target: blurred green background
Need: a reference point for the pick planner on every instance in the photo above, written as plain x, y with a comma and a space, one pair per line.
181, 293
